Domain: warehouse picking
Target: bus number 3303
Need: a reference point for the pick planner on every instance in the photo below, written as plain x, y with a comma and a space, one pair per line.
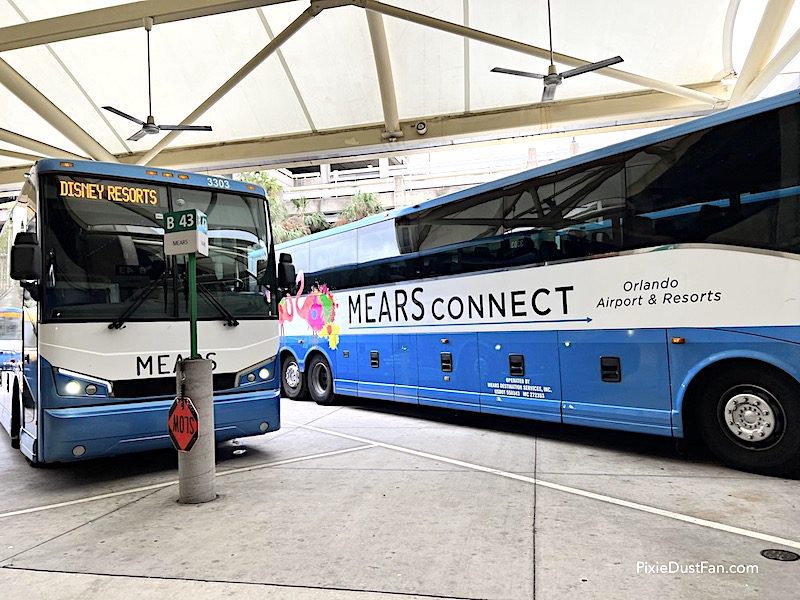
218, 183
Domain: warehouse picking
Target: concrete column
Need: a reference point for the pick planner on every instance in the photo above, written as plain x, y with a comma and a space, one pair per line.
399, 194
533, 159
325, 172
197, 468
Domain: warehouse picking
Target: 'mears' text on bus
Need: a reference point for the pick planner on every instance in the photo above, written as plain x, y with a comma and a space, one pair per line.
164, 364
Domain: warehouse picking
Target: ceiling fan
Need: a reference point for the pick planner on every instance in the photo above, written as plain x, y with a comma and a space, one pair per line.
553, 78
149, 125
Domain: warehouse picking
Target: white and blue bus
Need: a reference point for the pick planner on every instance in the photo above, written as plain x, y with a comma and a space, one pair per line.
98, 319
652, 286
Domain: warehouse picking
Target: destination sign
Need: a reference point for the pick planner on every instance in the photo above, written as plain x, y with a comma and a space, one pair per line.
132, 194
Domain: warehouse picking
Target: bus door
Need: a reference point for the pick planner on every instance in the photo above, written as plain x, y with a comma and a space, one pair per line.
448, 370
406, 373
617, 379
29, 384
520, 374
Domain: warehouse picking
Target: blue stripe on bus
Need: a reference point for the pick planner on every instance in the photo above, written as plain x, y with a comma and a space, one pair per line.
142, 426
649, 399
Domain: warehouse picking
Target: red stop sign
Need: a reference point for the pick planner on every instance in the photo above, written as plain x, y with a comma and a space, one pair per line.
182, 424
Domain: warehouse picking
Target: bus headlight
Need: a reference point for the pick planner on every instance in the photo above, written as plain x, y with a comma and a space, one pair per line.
260, 373
69, 383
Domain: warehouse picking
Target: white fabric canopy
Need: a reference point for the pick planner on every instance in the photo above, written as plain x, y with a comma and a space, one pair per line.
320, 94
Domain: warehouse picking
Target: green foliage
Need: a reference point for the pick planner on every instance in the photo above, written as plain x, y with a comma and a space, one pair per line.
264, 179
316, 222
361, 205
284, 228
301, 204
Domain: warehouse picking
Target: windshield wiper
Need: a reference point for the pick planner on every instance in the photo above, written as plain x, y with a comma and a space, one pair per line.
134, 306
230, 320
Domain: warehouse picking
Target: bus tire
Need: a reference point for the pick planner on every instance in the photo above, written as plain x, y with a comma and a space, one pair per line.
320, 380
293, 383
750, 419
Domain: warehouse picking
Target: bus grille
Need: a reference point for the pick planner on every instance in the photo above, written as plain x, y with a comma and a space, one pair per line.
164, 386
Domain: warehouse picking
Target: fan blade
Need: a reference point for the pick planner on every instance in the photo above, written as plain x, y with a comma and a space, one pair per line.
549, 92
122, 114
185, 127
592, 67
520, 73
137, 136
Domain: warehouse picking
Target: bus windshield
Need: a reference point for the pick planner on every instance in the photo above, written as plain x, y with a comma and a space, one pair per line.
103, 247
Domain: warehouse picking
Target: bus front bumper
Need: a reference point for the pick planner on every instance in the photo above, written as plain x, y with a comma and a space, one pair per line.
107, 430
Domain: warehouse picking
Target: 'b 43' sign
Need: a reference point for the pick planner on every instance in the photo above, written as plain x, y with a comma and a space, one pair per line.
186, 232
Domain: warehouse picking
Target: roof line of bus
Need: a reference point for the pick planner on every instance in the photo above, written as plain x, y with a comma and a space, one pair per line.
719, 118
155, 174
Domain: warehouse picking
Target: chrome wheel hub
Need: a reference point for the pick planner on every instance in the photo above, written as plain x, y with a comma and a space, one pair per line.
292, 375
750, 417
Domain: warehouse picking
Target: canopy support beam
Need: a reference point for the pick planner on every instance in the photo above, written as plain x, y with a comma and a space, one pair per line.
632, 110
226, 87
727, 36
36, 146
496, 40
19, 155
292, 81
383, 63
116, 18
629, 109
767, 34
39, 103
784, 56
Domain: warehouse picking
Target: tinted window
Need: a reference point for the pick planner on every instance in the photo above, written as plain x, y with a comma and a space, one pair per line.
103, 244
334, 250
470, 219
377, 241
104, 250
239, 268
736, 184
300, 257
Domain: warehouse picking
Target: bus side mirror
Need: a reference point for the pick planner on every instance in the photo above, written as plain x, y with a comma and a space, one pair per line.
26, 258
286, 272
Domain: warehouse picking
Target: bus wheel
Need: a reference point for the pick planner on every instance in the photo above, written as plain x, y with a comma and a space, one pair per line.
750, 418
320, 380
292, 382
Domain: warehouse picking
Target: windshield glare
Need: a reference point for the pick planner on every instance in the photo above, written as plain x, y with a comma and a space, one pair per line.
103, 250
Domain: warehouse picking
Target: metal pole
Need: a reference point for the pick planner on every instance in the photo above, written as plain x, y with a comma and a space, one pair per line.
193, 306
196, 468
